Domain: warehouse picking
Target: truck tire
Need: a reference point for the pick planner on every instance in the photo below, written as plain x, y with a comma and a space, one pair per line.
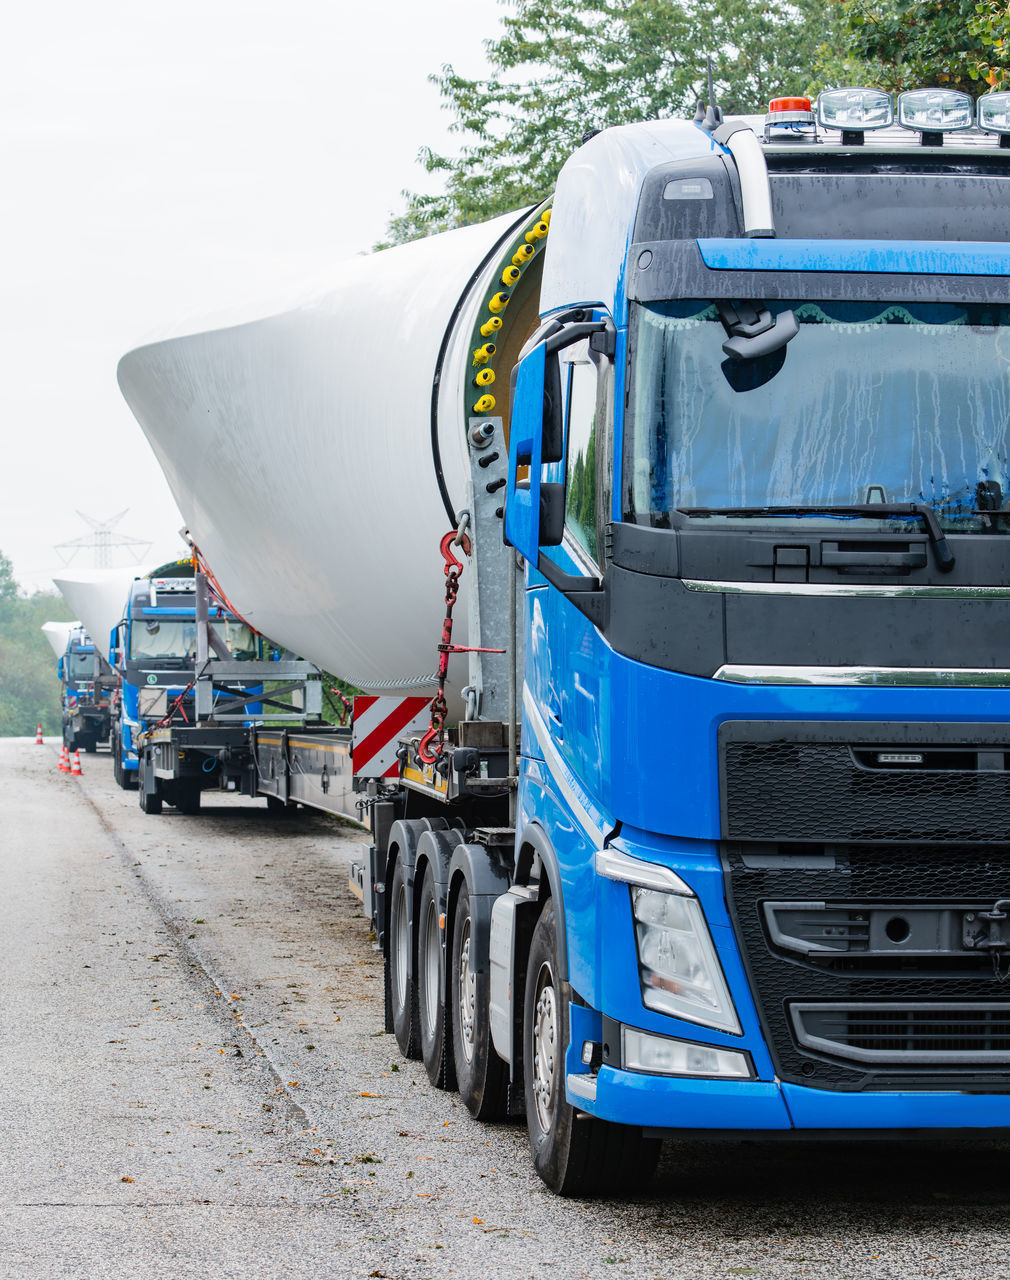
123, 778
574, 1155
480, 1073
402, 988
436, 1051
91, 744
149, 803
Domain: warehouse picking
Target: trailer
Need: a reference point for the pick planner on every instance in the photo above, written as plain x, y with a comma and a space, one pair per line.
714, 447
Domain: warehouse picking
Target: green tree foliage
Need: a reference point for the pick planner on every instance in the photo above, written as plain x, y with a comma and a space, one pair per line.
559, 68
8, 587
338, 695
29, 688
990, 26
957, 44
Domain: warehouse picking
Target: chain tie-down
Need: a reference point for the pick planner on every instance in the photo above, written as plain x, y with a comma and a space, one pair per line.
432, 744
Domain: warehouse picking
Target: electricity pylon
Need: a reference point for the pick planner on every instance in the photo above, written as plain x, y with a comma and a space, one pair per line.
103, 540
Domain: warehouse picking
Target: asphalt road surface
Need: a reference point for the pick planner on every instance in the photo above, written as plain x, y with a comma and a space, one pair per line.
196, 1084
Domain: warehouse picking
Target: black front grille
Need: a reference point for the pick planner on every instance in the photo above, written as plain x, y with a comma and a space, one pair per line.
784, 782
936, 1033
851, 1020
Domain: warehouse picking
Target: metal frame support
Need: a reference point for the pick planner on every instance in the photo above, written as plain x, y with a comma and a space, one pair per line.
295, 692
491, 622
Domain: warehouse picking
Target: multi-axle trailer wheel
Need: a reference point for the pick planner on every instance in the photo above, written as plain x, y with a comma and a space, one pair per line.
438, 994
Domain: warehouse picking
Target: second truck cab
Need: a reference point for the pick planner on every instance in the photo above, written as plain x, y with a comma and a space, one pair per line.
154, 649
87, 683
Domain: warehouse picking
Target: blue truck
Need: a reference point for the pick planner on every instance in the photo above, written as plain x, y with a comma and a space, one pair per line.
721, 841
87, 685
195, 680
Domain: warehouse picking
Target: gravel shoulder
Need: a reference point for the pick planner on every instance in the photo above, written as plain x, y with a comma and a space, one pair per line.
198, 1085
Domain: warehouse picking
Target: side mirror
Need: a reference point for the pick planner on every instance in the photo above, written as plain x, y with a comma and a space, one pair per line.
535, 508
535, 516
116, 642
553, 446
522, 506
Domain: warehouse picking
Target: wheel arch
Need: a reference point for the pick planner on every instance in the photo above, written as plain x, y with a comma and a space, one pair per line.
537, 864
485, 881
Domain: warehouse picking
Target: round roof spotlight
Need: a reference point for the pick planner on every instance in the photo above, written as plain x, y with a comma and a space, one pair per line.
855, 112
994, 115
934, 112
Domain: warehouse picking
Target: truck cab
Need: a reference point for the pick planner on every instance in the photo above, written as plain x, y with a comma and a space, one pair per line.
86, 681
155, 650
759, 475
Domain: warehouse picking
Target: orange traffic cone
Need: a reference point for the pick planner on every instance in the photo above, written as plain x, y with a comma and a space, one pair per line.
64, 764
76, 770
38, 735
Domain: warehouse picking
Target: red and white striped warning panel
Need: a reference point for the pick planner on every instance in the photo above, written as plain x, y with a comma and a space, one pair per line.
377, 724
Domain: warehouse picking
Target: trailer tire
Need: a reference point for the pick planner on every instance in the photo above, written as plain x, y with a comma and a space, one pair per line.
480, 1073
402, 987
387, 1001
124, 778
431, 995
575, 1154
91, 745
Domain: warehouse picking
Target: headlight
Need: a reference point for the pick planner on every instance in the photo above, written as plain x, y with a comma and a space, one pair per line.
659, 1055
677, 963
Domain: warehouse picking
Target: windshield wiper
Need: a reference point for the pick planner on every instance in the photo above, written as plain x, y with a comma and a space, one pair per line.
941, 549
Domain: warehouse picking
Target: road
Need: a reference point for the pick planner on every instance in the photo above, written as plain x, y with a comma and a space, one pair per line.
197, 1085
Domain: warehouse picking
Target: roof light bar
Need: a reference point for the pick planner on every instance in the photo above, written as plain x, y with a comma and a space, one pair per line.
854, 111
934, 112
994, 115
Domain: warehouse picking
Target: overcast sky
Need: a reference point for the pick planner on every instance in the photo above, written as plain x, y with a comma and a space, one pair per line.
161, 161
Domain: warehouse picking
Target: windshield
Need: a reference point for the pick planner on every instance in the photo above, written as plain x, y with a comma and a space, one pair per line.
176, 638
870, 402
81, 666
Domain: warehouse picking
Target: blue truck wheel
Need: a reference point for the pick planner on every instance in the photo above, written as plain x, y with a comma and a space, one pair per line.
574, 1157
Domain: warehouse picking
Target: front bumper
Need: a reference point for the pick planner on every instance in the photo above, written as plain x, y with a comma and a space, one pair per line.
677, 1103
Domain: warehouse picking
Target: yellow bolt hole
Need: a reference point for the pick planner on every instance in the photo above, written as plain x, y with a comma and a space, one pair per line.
523, 254
537, 233
491, 325
483, 354
485, 404
510, 275
484, 378
498, 303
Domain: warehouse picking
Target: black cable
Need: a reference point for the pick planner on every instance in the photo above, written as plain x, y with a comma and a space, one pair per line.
436, 453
